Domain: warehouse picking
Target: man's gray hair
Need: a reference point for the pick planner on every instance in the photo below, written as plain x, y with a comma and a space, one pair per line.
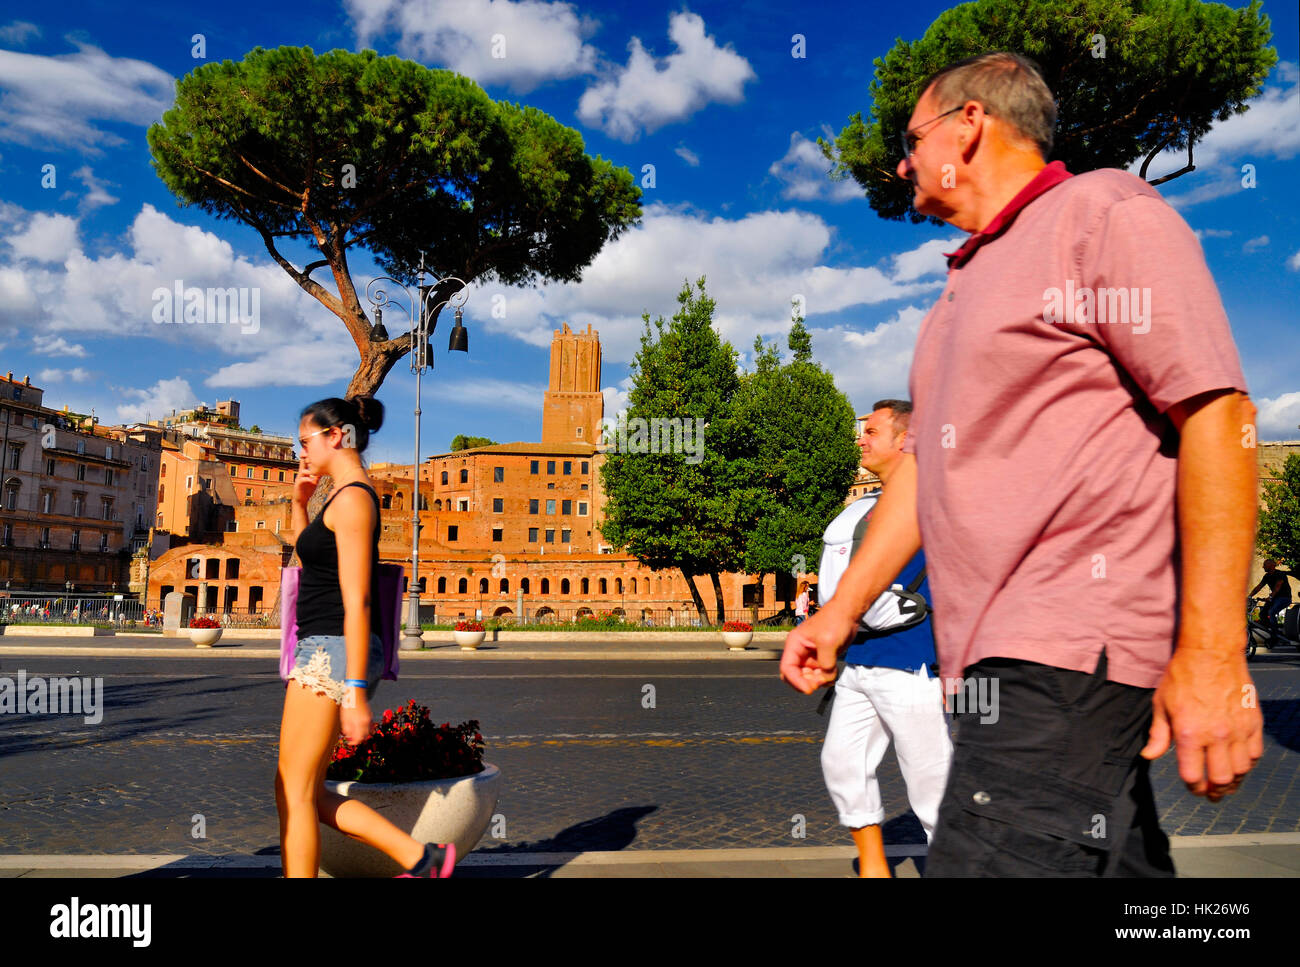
1009, 87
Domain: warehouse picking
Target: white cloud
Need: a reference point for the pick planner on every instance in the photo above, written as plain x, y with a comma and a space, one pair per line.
47, 238
1293, 263
156, 401
495, 394
687, 155
872, 364
297, 342
76, 374
55, 101
1255, 243
755, 265
96, 190
805, 173
617, 399
18, 32
1278, 418
519, 43
57, 346
646, 94
1204, 233
1270, 129
927, 259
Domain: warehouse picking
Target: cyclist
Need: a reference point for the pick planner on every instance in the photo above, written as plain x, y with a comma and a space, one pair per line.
1279, 597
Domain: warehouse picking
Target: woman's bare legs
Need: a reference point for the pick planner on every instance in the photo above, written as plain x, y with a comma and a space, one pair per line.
308, 733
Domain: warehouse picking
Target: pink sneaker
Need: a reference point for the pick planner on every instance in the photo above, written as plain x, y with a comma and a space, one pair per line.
440, 857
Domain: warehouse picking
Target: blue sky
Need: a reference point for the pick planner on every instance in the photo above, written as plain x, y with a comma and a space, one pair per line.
709, 94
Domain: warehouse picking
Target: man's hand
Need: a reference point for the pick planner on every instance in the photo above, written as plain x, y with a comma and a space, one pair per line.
1207, 703
812, 649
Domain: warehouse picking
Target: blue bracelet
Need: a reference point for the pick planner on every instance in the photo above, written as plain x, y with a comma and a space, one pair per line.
355, 683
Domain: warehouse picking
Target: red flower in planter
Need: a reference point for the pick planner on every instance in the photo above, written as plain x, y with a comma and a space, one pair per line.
406, 746
737, 626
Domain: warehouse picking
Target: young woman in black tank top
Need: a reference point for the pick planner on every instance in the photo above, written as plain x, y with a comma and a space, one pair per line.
339, 657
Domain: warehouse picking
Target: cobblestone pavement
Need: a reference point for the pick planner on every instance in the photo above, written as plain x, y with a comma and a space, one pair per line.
725, 757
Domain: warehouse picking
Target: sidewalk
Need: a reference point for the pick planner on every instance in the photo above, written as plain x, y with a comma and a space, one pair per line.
1242, 855
685, 646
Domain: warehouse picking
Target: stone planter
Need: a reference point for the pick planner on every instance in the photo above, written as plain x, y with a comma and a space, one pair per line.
205, 637
469, 640
436, 811
737, 640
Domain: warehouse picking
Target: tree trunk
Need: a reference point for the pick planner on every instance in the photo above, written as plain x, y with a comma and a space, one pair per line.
717, 595
374, 366
696, 596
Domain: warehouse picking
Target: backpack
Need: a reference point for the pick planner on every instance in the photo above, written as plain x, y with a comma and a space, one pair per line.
907, 609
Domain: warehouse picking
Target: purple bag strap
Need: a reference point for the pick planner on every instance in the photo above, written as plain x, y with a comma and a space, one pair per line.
289, 578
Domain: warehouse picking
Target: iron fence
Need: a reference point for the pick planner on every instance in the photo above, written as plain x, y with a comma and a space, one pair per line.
537, 614
76, 609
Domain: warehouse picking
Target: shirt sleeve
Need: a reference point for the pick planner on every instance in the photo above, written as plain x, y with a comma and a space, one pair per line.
1155, 306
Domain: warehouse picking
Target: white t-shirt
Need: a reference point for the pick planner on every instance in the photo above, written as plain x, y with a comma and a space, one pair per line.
837, 547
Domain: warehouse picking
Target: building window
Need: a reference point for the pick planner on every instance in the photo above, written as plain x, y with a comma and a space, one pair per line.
47, 502
453, 532
585, 487
76, 540
603, 586
564, 586
15, 452
78, 505
464, 476
386, 501
498, 505
550, 507
550, 535
568, 468
281, 476
586, 586
248, 491
8, 537
49, 467
532, 506
498, 474
189, 484
505, 585
546, 585
103, 542
462, 504
108, 478
107, 505
462, 586
234, 470
81, 471
261, 525
45, 537
523, 585
566, 507
497, 535
444, 478
266, 474
584, 466
532, 535
11, 498
580, 433
532, 466
565, 535
582, 508
248, 471
550, 467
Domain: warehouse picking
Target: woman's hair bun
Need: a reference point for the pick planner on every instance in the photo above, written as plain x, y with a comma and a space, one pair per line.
370, 412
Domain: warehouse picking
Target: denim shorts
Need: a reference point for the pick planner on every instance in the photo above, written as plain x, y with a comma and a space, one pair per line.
320, 662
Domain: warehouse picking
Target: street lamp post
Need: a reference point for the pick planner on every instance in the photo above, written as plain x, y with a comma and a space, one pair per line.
422, 325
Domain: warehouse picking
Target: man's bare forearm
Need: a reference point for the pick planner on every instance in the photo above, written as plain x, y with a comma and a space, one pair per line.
1216, 522
893, 538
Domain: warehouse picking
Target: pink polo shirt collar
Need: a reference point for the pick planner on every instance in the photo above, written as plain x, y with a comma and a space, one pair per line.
1051, 176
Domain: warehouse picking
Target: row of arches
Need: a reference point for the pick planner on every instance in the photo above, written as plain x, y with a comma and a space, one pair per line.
565, 586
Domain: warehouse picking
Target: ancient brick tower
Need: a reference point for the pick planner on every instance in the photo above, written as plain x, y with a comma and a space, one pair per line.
573, 405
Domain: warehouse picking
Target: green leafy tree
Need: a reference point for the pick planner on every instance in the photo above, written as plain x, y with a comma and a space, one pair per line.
666, 508
1131, 78
1279, 518
802, 456
352, 151
463, 442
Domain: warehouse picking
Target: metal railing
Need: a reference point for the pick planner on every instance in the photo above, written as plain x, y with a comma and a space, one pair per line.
75, 609
541, 614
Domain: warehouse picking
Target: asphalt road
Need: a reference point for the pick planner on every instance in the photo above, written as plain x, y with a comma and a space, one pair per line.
596, 756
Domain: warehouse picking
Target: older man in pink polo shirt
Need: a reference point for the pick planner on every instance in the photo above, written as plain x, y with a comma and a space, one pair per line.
1083, 480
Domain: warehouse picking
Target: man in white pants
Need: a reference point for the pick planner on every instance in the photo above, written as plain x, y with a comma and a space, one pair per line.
887, 690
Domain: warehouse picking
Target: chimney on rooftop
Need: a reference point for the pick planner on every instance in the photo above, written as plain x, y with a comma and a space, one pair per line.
27, 381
